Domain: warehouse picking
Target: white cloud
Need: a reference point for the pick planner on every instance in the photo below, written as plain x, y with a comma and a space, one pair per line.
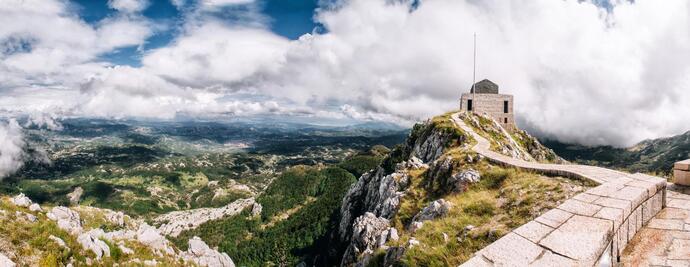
42, 43
11, 148
178, 3
220, 3
122, 31
43, 120
578, 72
128, 6
215, 54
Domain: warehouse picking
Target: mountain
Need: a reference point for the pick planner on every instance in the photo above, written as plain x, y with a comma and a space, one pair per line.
219, 194
434, 202
649, 156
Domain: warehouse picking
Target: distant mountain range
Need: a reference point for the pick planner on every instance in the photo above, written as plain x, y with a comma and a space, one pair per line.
650, 156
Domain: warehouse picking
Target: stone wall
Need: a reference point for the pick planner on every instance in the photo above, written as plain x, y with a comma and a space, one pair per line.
591, 229
681, 172
492, 105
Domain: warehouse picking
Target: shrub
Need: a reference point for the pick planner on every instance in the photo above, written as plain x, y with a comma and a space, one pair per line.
493, 178
360, 164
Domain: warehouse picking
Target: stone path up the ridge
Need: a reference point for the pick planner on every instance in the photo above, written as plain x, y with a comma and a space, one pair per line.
591, 229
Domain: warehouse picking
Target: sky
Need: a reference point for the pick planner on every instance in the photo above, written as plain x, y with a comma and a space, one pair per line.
588, 72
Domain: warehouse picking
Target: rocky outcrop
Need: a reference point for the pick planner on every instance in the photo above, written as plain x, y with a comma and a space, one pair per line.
374, 193
378, 192
175, 222
6, 262
97, 240
116, 218
28, 216
202, 255
58, 241
436, 209
149, 236
256, 209
66, 219
430, 148
460, 181
75, 196
443, 176
369, 232
538, 151
90, 241
21, 200
35, 207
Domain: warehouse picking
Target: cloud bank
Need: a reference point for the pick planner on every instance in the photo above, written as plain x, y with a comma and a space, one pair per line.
11, 148
579, 72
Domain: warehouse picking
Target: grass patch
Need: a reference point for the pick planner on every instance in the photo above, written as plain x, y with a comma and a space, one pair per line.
503, 200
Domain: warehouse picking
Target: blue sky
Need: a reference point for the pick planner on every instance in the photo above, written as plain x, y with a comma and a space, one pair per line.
602, 67
288, 18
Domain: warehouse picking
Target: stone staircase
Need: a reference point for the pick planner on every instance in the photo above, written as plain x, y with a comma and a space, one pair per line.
591, 229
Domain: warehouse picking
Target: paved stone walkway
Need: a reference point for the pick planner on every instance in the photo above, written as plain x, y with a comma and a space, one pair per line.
665, 241
590, 229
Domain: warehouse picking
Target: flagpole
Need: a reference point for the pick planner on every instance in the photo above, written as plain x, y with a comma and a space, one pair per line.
474, 71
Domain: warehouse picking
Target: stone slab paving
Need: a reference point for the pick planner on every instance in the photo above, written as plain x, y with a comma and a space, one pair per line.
592, 228
665, 240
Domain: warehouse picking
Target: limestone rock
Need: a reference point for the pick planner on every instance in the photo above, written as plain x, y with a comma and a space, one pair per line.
256, 209
35, 207
368, 233
58, 240
412, 242
75, 196
393, 234
28, 216
177, 221
125, 249
66, 219
461, 180
90, 241
378, 192
116, 218
415, 163
6, 262
149, 235
436, 209
202, 255
120, 235
374, 192
21, 200
429, 148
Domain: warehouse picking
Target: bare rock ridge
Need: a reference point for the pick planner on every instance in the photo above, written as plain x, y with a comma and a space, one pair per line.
202, 255
173, 223
375, 198
96, 239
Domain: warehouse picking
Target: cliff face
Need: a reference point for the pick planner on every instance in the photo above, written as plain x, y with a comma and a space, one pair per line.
436, 161
377, 193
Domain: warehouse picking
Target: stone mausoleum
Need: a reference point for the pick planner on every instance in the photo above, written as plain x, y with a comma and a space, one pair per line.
484, 98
